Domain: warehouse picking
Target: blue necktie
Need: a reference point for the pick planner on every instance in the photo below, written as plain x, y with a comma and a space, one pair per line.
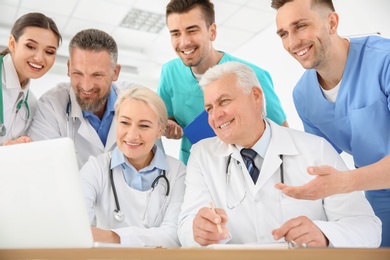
248, 155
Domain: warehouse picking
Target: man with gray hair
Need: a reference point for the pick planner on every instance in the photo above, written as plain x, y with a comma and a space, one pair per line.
84, 108
236, 172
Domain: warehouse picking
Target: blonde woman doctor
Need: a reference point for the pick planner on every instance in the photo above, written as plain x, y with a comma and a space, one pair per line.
31, 52
135, 192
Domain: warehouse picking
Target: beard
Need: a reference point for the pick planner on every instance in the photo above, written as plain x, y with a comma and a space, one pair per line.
92, 104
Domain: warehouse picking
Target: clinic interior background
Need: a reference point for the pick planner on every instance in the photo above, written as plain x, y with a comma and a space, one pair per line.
246, 29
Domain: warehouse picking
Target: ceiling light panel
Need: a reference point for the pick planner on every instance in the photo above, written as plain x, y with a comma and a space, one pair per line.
142, 20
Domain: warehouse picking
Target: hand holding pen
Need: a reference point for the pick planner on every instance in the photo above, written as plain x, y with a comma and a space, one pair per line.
209, 226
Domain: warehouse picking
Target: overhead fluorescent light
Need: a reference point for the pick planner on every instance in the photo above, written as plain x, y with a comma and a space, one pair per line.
141, 20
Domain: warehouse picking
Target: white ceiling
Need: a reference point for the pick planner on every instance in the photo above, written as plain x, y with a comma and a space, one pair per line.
238, 23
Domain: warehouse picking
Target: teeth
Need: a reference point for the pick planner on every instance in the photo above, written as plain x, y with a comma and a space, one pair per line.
132, 144
223, 125
302, 52
188, 52
36, 66
88, 93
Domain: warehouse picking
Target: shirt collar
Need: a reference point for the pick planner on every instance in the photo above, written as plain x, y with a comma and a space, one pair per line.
261, 145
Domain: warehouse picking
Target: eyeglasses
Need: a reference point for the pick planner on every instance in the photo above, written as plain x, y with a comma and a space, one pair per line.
230, 191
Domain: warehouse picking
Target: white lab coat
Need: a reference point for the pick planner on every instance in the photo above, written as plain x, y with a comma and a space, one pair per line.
100, 201
11, 89
51, 121
347, 220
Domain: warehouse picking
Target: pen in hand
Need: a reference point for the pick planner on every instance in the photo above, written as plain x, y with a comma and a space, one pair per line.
218, 225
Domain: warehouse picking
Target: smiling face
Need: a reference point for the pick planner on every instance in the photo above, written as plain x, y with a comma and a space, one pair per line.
34, 53
137, 129
306, 32
91, 75
191, 38
233, 115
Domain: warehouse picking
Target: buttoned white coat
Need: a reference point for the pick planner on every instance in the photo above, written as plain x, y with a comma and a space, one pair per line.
347, 220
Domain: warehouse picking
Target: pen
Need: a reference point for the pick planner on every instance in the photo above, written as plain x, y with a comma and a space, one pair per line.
218, 225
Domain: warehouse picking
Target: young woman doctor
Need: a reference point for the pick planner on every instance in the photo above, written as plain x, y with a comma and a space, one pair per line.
31, 52
135, 192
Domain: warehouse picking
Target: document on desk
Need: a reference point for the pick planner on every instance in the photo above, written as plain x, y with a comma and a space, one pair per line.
199, 128
277, 245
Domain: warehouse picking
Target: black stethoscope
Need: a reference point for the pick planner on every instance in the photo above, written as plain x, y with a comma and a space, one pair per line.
3, 129
67, 112
118, 214
281, 167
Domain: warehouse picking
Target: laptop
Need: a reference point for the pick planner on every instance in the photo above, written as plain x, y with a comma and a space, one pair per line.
41, 200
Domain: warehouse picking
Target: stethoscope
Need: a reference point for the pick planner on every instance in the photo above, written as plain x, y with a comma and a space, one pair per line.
228, 174
67, 112
118, 214
281, 167
3, 129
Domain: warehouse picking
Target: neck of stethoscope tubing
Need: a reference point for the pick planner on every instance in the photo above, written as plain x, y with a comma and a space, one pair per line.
114, 192
153, 186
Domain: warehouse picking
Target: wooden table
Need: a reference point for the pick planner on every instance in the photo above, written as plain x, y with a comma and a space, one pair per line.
198, 253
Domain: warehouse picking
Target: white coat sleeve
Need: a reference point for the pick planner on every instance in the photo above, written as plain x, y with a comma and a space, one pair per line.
49, 121
351, 219
196, 196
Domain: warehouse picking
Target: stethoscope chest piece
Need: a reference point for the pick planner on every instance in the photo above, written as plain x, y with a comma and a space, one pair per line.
118, 215
3, 131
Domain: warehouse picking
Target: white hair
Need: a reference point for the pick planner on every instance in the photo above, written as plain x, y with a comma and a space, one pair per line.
245, 76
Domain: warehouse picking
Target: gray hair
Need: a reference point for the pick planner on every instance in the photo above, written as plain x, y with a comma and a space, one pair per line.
95, 40
245, 76
149, 97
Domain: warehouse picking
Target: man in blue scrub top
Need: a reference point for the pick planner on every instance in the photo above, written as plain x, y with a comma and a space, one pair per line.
193, 30
344, 97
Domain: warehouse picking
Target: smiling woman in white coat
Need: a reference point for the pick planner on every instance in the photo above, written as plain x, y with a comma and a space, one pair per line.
253, 211
31, 52
134, 193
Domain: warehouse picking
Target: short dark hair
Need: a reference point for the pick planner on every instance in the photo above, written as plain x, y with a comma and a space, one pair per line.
33, 20
184, 6
276, 4
95, 40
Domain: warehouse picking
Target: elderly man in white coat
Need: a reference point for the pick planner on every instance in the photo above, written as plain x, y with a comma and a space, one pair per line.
248, 208
84, 108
